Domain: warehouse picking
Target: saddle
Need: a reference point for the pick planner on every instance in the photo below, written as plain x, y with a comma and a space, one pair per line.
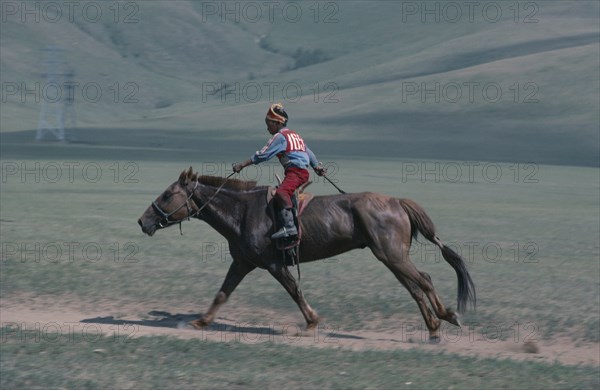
300, 200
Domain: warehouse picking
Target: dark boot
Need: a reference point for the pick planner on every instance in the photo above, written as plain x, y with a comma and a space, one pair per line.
289, 228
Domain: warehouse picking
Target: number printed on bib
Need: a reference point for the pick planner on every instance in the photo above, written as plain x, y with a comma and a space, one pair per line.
295, 143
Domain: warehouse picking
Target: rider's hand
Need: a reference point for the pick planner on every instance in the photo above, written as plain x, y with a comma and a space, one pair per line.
320, 170
237, 167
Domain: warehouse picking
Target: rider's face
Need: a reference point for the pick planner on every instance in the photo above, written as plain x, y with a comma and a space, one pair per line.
272, 126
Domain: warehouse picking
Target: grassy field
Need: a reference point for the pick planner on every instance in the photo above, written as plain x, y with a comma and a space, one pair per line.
528, 232
160, 362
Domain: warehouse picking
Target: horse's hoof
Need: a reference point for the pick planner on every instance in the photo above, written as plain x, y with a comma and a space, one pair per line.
454, 319
198, 324
314, 322
434, 339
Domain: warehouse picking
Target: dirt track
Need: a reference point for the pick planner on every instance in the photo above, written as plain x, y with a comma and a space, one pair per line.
48, 319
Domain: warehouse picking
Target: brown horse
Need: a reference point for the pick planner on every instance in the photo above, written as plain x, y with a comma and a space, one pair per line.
332, 224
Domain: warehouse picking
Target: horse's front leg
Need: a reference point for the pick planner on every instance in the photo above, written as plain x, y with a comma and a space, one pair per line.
283, 276
237, 272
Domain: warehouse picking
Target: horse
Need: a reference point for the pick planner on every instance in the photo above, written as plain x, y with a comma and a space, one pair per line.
333, 224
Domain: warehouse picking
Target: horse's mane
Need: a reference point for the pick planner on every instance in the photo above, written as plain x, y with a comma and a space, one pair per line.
232, 184
216, 181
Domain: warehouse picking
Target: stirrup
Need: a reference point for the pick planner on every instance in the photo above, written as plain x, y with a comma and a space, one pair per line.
285, 233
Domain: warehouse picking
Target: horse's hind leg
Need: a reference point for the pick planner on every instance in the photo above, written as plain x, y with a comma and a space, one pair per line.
441, 311
283, 276
237, 272
431, 320
396, 258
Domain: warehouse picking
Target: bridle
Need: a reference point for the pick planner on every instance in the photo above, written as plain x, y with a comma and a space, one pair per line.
165, 222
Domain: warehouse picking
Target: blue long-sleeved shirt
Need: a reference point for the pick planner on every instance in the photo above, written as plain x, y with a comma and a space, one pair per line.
289, 147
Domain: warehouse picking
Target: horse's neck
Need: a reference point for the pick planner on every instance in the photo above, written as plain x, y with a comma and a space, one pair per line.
223, 212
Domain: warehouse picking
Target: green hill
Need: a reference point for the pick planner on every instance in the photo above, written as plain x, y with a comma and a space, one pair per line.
403, 79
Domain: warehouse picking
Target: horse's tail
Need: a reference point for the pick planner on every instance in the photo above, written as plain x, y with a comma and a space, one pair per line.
421, 223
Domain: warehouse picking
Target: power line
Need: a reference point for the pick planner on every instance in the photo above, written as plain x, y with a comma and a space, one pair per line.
55, 114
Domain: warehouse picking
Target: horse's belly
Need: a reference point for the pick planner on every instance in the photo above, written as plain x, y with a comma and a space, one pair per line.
310, 252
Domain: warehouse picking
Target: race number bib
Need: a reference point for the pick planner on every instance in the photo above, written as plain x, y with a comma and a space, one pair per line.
295, 143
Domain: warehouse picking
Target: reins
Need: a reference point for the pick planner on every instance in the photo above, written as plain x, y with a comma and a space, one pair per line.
190, 214
166, 216
211, 198
295, 252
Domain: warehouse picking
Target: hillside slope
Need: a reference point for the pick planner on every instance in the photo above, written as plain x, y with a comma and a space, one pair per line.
376, 77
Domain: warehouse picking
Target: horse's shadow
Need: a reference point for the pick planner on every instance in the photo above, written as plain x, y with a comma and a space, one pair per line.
163, 319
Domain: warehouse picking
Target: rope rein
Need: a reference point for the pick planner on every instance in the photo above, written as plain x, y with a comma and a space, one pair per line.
195, 213
294, 253
190, 214
211, 198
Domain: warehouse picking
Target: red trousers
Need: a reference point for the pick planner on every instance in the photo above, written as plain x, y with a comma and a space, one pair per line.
294, 178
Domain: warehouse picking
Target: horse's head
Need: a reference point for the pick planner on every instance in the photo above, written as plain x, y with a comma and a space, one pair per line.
172, 206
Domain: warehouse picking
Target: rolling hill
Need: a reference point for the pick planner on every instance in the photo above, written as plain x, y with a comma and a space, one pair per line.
504, 81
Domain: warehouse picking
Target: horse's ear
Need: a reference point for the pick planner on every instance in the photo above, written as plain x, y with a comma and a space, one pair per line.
183, 177
194, 177
190, 172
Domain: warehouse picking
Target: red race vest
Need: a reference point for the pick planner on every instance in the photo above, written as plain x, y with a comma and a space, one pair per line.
295, 143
